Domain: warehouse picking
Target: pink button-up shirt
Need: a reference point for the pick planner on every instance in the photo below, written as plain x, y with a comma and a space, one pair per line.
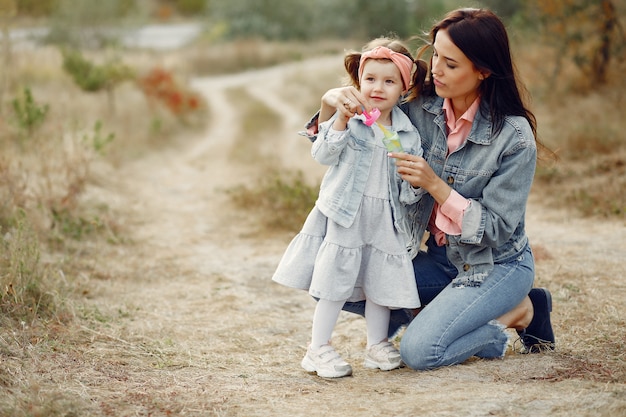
448, 217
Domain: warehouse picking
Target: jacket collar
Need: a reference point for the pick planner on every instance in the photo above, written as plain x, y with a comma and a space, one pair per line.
481, 132
401, 121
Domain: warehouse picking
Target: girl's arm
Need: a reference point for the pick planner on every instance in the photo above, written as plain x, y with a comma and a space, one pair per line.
330, 142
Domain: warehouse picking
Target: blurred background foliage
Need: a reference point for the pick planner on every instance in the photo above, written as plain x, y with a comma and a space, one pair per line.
313, 19
587, 32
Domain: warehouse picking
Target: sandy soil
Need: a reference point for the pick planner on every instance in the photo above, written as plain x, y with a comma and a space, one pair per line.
194, 326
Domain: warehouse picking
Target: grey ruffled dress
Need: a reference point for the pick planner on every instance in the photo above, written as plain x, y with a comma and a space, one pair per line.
368, 260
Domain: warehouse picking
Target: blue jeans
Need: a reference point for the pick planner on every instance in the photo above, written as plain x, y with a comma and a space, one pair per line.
458, 323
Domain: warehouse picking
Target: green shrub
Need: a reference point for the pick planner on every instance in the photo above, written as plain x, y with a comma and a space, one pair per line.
29, 115
98, 140
91, 77
190, 7
281, 201
36, 8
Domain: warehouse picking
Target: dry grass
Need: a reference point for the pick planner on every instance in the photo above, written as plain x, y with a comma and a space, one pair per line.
205, 59
281, 200
184, 322
590, 176
584, 125
50, 174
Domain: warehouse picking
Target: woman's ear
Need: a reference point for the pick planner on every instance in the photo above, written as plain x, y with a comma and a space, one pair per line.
484, 75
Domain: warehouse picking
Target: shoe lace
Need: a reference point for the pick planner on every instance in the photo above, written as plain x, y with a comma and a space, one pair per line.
526, 343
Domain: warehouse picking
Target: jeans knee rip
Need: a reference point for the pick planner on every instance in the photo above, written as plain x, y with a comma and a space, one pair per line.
502, 328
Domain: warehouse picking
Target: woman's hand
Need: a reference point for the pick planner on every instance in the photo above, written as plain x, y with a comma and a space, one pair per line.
416, 171
345, 100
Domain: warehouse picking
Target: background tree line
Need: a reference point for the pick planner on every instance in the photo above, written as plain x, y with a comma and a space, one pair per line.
588, 32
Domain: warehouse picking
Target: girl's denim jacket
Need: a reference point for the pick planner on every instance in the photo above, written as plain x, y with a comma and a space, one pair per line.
493, 171
349, 160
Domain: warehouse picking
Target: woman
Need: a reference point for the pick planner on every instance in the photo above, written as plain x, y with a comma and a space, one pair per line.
478, 165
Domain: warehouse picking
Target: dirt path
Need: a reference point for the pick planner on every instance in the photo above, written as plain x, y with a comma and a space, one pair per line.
199, 329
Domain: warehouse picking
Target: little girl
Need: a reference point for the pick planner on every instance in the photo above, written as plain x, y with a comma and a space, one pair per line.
357, 242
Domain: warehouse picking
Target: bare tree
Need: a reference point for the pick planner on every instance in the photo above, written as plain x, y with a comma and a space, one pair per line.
588, 32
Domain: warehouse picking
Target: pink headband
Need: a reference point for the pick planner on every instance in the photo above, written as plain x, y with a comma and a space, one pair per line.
403, 62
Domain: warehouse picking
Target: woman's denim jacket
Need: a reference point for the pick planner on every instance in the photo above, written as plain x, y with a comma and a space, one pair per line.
350, 159
493, 171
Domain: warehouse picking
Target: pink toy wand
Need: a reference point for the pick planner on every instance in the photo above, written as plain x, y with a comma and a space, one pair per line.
372, 116
391, 140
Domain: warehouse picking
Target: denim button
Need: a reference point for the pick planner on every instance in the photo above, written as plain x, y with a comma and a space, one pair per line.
450, 180
466, 267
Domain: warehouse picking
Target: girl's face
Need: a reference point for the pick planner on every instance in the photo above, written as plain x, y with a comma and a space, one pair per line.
381, 83
454, 75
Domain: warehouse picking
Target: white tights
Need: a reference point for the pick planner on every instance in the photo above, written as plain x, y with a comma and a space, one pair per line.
327, 312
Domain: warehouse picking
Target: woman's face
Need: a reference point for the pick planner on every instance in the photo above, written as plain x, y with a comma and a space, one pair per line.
454, 75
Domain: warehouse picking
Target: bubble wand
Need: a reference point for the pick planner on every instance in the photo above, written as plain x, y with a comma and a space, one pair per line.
391, 139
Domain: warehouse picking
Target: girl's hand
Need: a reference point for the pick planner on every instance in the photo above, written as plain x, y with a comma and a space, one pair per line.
344, 100
416, 171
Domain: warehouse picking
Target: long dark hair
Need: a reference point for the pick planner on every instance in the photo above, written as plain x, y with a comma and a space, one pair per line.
482, 37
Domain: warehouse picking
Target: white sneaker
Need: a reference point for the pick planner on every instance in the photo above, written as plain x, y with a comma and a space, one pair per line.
326, 362
383, 356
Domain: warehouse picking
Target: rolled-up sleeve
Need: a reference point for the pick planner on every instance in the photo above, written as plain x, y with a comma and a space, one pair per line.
449, 217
